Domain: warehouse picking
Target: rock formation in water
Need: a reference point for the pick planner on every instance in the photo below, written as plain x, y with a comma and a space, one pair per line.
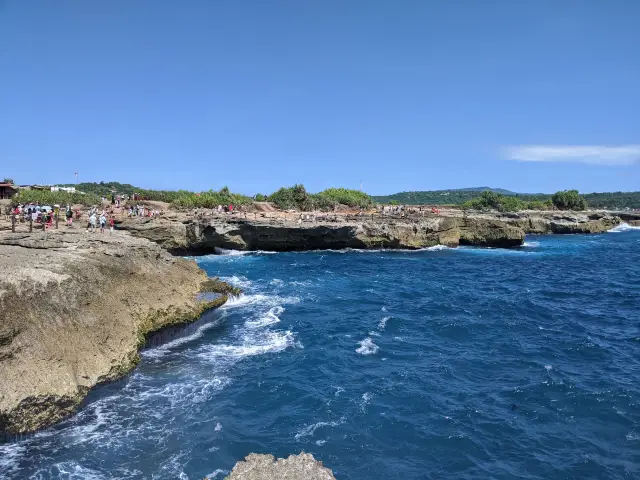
204, 234
266, 467
74, 310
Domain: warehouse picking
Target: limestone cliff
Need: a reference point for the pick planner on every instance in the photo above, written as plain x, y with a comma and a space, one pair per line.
205, 234
74, 309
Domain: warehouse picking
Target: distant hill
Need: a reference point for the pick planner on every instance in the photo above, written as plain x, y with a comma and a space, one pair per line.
453, 196
457, 196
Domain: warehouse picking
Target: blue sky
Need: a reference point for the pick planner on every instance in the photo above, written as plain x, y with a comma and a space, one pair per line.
399, 95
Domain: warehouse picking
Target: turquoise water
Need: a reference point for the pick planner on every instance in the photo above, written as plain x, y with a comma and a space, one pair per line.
441, 363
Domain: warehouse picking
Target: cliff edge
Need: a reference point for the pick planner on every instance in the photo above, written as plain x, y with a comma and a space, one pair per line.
75, 308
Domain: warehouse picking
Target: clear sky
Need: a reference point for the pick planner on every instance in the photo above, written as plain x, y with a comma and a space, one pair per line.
399, 95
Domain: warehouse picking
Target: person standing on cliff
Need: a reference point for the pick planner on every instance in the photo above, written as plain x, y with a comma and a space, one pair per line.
92, 223
103, 222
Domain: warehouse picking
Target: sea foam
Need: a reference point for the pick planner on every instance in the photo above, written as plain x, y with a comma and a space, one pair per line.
367, 347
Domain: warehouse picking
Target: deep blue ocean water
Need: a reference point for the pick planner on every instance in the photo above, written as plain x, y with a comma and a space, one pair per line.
460, 364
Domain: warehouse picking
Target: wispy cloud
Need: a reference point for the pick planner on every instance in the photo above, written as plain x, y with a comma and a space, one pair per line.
591, 154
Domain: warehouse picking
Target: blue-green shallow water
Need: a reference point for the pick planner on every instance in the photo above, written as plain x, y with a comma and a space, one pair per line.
384, 365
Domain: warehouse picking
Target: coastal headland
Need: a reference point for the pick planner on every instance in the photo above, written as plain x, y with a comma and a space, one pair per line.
204, 231
76, 307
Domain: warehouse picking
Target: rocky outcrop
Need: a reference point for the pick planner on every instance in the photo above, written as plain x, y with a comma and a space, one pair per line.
558, 222
266, 467
204, 235
74, 310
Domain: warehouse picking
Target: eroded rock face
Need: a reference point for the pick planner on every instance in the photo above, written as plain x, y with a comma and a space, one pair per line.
204, 235
561, 222
266, 467
74, 309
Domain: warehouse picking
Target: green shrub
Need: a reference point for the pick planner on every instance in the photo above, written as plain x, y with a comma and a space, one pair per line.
568, 200
210, 199
298, 198
344, 196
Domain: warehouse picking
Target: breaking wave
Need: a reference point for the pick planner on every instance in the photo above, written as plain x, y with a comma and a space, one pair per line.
623, 227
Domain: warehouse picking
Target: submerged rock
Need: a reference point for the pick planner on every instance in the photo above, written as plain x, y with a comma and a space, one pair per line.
75, 308
266, 467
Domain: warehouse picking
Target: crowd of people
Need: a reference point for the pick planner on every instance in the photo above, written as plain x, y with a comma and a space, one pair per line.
143, 211
36, 213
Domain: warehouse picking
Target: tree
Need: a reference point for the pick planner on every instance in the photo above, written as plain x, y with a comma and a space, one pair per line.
8, 180
568, 200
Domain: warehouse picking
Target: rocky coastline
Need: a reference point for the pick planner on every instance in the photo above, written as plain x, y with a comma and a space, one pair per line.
75, 308
196, 233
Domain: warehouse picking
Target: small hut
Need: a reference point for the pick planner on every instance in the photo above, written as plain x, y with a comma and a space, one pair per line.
7, 191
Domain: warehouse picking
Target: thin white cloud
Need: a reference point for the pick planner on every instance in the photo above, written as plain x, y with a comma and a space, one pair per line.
590, 154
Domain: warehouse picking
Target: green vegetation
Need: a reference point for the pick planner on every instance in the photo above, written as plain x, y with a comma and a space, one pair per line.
613, 200
436, 197
568, 200
607, 200
260, 197
489, 200
106, 189
297, 197
210, 199
8, 180
46, 197
564, 200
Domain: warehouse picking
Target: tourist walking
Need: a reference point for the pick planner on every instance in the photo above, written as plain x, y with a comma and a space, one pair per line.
103, 222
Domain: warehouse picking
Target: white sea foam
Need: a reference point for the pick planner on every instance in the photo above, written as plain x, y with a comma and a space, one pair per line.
224, 251
320, 442
623, 227
374, 334
309, 430
383, 323
267, 342
10, 455
187, 392
632, 436
242, 282
269, 318
163, 349
383, 309
218, 427
548, 367
531, 244
258, 299
435, 248
70, 471
367, 347
217, 473
366, 399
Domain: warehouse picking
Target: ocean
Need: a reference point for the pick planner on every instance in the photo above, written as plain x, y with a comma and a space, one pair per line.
434, 364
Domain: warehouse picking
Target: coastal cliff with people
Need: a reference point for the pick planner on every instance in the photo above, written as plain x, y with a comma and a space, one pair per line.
87, 283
